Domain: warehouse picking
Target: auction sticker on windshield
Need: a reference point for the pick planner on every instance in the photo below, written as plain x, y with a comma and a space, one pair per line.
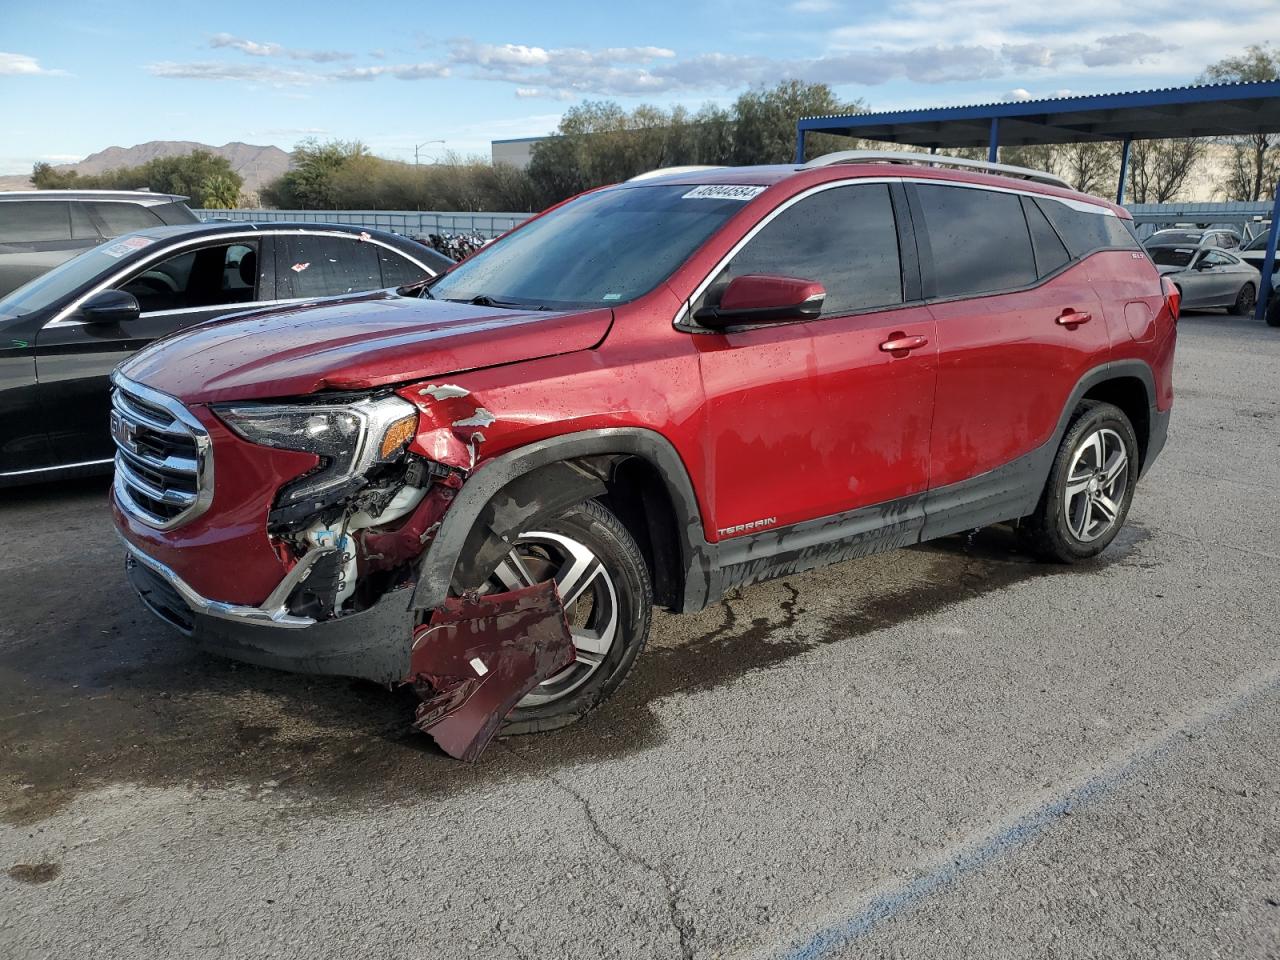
725, 191
127, 245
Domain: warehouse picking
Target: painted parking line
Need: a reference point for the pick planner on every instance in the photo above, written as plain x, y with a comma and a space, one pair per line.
874, 908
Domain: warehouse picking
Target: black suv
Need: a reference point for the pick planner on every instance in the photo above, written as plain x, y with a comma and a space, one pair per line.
39, 229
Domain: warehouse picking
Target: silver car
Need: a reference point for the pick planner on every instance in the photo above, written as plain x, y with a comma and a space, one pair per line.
1209, 277
1223, 238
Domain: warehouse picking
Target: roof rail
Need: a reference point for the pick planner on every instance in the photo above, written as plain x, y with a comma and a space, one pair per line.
935, 160
664, 171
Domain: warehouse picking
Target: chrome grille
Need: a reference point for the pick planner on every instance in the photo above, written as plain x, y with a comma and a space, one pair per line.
164, 464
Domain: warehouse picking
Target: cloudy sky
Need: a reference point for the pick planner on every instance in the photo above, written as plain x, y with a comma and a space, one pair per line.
78, 76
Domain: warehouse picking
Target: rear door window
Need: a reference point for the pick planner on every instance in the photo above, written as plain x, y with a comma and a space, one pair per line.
979, 239
121, 218
308, 265
34, 221
845, 238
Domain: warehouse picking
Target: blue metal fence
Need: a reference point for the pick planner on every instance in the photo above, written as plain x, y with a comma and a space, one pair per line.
414, 223
1246, 216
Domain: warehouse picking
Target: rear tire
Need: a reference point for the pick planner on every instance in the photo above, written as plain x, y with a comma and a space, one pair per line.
602, 576
1090, 487
1273, 311
1245, 300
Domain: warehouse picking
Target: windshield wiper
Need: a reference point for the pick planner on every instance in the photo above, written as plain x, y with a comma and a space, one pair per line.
484, 300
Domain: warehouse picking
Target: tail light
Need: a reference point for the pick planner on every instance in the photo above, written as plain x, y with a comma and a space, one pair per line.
1172, 296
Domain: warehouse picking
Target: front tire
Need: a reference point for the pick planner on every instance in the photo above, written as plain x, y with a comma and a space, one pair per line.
604, 584
1090, 487
1245, 300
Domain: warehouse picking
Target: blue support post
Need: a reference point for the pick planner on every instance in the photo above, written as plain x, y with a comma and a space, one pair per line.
1269, 263
1124, 169
799, 144
993, 151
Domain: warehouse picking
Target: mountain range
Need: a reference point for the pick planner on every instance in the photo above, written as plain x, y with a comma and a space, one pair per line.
257, 165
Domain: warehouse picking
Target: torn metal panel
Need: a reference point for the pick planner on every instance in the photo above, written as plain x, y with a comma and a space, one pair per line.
450, 421
478, 656
443, 391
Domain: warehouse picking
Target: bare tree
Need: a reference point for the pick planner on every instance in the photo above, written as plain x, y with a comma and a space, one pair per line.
1254, 168
1092, 167
1158, 169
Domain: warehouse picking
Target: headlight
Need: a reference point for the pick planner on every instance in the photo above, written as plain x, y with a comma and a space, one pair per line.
349, 438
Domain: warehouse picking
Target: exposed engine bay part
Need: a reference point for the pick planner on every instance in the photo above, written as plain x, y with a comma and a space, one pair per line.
477, 657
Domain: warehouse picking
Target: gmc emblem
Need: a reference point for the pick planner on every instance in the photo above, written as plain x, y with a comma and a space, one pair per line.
124, 432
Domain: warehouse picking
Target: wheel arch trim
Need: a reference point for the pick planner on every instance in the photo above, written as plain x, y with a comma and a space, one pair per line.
437, 565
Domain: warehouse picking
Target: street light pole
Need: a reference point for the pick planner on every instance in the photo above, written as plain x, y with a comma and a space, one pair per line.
417, 146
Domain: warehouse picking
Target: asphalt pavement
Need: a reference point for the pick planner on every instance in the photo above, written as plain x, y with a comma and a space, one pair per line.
947, 751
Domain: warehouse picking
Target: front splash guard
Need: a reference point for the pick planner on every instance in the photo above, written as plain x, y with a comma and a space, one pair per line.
478, 656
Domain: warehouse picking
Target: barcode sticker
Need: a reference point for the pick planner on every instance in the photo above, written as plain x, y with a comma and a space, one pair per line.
723, 191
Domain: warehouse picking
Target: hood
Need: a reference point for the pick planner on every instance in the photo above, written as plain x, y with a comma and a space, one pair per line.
353, 344
1166, 269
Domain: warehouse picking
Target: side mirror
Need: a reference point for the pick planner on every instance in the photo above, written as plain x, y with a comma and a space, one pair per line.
110, 306
758, 299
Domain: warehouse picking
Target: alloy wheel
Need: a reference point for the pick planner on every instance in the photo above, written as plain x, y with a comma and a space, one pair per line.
1097, 481
587, 591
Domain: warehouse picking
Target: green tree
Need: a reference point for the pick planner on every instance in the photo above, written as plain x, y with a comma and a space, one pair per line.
219, 191
598, 142
45, 177
1255, 166
310, 184
185, 175
764, 121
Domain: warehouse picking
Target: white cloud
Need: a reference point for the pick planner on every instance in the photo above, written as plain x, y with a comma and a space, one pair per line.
1018, 93
255, 49
22, 65
401, 71
247, 72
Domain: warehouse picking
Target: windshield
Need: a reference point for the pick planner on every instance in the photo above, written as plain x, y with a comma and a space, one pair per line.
48, 288
1172, 256
1257, 243
1174, 236
602, 249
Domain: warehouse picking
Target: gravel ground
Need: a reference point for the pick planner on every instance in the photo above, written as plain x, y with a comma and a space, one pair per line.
948, 751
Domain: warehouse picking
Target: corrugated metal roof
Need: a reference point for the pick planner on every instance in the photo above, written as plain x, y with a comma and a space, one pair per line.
1082, 97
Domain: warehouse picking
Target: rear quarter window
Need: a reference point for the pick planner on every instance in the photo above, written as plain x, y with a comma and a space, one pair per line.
121, 218
398, 271
174, 213
979, 240
1085, 232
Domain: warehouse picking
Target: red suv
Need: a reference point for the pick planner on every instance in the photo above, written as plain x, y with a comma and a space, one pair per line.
652, 393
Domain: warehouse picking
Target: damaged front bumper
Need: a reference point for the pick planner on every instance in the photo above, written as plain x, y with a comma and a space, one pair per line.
371, 644
471, 662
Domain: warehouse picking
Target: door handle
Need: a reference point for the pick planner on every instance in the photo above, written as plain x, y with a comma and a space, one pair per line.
901, 344
1073, 318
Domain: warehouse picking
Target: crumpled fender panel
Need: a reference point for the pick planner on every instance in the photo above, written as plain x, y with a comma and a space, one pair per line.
478, 656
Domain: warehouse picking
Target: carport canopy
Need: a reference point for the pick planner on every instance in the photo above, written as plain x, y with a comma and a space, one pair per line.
1209, 110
